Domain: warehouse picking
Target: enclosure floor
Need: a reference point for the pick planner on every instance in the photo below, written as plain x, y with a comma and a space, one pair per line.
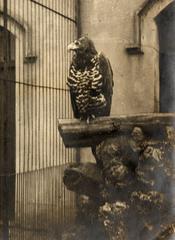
43, 206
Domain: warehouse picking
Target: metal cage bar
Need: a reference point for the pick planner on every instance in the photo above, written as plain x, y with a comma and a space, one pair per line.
38, 35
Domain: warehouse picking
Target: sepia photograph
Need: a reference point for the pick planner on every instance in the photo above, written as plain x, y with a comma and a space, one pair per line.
87, 120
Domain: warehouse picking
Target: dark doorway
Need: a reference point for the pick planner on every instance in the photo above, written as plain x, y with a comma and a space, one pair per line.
166, 29
7, 123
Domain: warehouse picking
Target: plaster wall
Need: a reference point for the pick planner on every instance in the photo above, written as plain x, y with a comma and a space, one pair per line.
110, 24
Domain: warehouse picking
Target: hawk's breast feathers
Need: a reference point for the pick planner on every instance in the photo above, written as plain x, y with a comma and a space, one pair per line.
87, 86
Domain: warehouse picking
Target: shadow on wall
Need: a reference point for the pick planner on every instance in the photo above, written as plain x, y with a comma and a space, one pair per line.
166, 29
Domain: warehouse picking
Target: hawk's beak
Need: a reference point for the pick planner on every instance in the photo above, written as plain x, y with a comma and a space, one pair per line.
72, 47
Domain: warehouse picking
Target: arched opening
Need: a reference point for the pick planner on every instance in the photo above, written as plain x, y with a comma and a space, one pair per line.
7, 121
166, 30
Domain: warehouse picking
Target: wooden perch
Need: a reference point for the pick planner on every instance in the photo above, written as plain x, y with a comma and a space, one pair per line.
76, 133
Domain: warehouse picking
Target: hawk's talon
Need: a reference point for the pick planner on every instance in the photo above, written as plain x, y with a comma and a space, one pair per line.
90, 117
88, 120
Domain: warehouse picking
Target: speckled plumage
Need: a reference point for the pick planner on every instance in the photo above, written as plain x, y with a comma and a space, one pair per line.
90, 81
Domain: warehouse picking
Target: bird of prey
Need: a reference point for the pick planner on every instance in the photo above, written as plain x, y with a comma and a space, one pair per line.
90, 81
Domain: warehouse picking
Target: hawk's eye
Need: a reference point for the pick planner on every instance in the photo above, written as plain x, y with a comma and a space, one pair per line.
77, 43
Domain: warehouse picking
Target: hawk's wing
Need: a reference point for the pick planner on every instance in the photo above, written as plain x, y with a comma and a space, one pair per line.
72, 93
74, 105
106, 72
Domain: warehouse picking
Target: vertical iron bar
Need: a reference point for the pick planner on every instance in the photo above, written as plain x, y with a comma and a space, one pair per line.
39, 90
23, 110
77, 18
5, 159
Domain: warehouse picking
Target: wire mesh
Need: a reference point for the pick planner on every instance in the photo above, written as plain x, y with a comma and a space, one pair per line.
36, 60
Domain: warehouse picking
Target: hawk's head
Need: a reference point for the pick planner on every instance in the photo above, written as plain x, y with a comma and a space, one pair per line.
83, 46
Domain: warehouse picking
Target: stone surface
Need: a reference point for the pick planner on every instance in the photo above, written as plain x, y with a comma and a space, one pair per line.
83, 178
